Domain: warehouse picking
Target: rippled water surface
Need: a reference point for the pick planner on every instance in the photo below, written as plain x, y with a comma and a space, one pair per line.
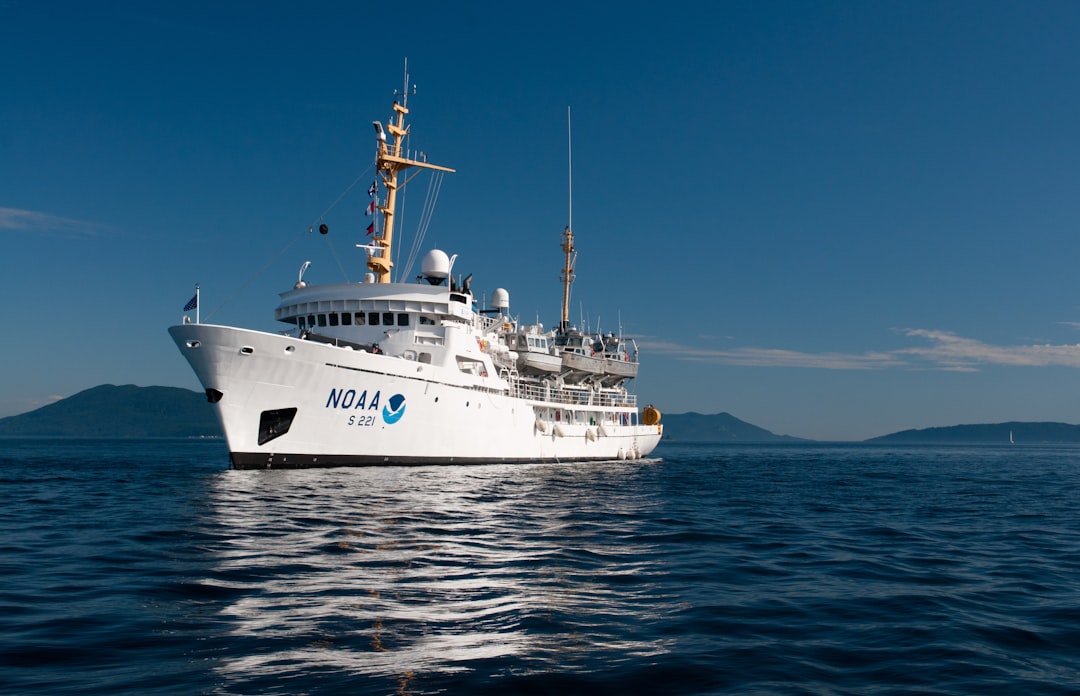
148, 566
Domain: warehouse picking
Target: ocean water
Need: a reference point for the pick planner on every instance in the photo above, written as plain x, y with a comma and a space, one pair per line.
134, 567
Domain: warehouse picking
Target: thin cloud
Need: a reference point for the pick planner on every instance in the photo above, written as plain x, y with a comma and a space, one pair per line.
946, 351
775, 357
950, 351
35, 222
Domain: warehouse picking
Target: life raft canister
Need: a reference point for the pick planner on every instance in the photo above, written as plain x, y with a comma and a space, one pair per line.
650, 415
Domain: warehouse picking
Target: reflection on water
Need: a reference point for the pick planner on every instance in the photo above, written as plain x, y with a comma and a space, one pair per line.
143, 567
404, 571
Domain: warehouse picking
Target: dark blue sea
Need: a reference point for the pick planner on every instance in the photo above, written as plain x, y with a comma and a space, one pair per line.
148, 566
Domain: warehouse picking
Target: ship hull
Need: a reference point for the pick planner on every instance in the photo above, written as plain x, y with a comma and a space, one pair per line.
284, 402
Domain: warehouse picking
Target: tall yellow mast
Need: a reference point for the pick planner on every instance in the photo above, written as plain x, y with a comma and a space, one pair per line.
567, 275
390, 160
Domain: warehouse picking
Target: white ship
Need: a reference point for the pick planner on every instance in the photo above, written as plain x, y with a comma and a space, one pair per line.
385, 372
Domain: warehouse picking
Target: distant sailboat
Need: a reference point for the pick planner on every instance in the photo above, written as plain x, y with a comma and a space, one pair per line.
1011, 441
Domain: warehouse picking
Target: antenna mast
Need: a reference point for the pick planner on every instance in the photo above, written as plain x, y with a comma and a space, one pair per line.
390, 160
568, 234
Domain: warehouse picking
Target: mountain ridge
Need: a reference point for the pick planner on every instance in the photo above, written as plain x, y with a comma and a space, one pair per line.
129, 411
125, 411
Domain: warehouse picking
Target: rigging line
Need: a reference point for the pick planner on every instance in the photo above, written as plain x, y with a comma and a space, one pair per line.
285, 248
329, 244
431, 205
255, 275
418, 237
434, 201
396, 253
343, 194
434, 186
337, 259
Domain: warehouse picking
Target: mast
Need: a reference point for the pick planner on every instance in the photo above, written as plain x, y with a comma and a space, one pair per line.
390, 160
570, 255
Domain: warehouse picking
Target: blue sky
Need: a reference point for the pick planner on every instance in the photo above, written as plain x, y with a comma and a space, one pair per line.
832, 220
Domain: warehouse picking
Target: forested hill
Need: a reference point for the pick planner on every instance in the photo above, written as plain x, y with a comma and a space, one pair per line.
119, 411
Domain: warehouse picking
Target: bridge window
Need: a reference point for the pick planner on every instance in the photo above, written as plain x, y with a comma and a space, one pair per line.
322, 320
388, 318
346, 319
403, 319
373, 318
333, 319
359, 317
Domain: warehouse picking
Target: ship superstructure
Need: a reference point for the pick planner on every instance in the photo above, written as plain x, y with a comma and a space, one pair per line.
390, 372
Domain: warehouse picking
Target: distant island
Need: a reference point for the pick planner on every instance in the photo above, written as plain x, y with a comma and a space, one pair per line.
128, 411
718, 427
117, 412
1003, 433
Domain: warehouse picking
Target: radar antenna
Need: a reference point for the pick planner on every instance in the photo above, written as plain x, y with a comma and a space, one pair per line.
570, 255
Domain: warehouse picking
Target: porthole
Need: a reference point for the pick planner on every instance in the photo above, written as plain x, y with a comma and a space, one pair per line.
289, 349
247, 350
193, 344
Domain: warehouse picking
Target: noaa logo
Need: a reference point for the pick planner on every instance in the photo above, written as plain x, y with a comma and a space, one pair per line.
394, 409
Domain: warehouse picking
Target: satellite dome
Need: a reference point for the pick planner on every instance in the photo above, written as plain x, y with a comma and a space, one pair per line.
436, 264
500, 299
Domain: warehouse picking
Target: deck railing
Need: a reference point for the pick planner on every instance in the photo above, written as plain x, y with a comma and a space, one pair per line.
571, 396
